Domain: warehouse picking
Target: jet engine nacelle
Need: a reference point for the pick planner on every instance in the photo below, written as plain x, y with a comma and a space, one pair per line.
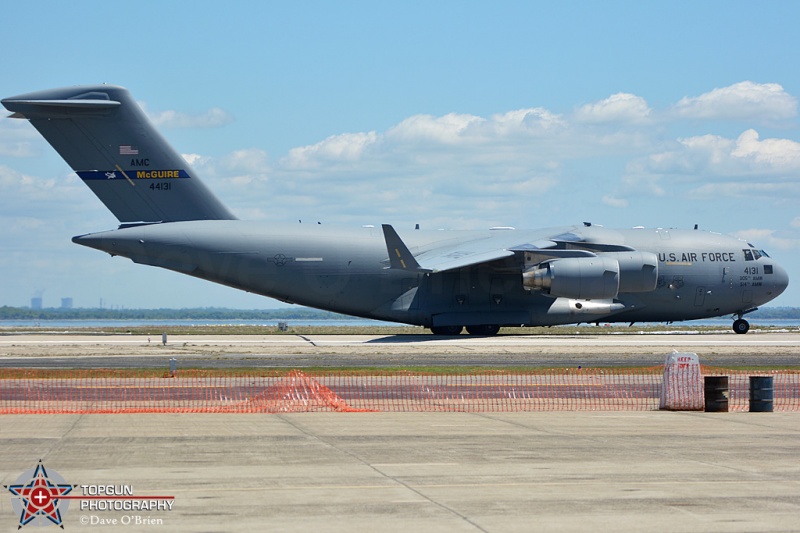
583, 278
638, 271
599, 277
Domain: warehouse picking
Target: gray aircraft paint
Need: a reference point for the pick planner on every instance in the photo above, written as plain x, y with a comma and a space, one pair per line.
106, 138
439, 279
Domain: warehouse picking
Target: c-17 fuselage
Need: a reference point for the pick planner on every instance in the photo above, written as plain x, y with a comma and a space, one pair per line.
443, 280
698, 274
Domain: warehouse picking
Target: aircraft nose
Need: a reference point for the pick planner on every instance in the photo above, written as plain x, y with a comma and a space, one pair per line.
780, 280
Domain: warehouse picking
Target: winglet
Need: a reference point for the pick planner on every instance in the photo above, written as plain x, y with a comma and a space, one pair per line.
399, 255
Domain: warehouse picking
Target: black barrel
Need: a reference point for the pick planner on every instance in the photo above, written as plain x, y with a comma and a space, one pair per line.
762, 394
716, 392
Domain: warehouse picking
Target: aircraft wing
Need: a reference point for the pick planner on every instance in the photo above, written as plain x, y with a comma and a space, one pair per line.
462, 256
453, 256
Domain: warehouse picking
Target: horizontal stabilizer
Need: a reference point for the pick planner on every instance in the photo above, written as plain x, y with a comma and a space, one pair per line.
31, 109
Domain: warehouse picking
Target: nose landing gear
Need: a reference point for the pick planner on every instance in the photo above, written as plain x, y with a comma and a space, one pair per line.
741, 325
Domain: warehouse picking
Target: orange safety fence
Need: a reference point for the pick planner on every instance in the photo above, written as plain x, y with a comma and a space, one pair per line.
30, 391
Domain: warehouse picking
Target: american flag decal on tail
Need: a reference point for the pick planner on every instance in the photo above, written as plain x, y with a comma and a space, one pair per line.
128, 150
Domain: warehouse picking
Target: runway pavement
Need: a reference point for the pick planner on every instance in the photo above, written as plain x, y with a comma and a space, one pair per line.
496, 472
534, 471
635, 349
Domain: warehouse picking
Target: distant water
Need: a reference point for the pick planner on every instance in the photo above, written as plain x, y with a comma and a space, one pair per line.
350, 322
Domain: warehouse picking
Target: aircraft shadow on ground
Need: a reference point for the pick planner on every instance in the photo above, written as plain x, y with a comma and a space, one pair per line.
410, 339
400, 339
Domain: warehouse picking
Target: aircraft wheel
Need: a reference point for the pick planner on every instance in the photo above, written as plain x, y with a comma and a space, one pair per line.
484, 329
741, 326
446, 330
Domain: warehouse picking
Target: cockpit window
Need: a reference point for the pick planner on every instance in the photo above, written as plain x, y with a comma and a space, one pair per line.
754, 255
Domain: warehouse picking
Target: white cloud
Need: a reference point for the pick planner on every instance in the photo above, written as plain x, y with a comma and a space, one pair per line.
452, 141
713, 166
507, 165
244, 167
251, 160
33, 188
449, 129
758, 189
18, 139
527, 122
620, 107
768, 239
56, 198
460, 129
213, 118
709, 155
636, 181
16, 150
196, 159
615, 202
347, 147
781, 155
481, 171
764, 103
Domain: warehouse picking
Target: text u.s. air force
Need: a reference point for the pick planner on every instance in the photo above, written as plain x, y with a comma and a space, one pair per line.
694, 257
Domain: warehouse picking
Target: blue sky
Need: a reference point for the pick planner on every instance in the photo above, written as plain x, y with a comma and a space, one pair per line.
448, 114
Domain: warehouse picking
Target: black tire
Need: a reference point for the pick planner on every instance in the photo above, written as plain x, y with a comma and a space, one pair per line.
486, 330
446, 330
741, 326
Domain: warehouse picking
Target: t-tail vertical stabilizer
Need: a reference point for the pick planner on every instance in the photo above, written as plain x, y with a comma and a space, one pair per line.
108, 141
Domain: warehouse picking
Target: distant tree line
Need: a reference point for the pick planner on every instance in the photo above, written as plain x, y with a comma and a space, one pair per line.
205, 313
776, 312
218, 313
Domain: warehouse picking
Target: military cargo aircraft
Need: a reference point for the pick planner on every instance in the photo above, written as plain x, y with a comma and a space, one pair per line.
442, 280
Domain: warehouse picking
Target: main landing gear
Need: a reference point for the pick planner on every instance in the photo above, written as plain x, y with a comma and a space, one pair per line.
741, 326
446, 330
485, 330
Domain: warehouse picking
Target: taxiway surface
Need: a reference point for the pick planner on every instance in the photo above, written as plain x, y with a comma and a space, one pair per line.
493, 472
546, 471
192, 351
